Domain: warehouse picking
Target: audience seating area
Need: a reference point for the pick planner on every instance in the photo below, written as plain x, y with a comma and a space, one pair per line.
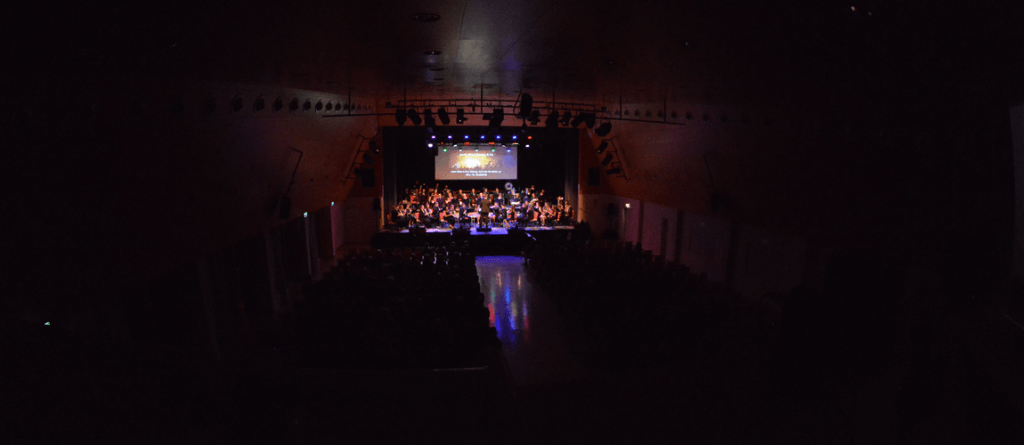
395, 309
627, 307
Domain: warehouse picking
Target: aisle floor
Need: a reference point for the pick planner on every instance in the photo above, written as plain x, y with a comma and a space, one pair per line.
531, 333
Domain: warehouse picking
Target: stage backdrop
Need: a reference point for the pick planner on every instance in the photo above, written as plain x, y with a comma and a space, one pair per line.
408, 161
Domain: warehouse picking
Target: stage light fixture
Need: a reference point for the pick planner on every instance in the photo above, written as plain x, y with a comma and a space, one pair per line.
590, 119
552, 120
374, 148
482, 137
428, 118
576, 121
601, 148
367, 159
514, 137
613, 171
442, 114
566, 116
607, 160
535, 117
467, 136
400, 116
415, 117
603, 129
429, 145
460, 116
449, 136
498, 117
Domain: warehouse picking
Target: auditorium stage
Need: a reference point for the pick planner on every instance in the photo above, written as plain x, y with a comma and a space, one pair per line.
496, 241
493, 231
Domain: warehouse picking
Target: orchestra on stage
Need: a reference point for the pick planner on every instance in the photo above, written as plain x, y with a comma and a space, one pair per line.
442, 207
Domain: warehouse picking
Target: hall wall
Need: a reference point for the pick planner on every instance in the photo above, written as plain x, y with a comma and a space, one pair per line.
793, 188
137, 179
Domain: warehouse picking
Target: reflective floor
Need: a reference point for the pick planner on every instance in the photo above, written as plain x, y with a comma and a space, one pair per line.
527, 322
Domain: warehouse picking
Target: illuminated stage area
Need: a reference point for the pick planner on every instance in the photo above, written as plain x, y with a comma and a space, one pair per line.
493, 231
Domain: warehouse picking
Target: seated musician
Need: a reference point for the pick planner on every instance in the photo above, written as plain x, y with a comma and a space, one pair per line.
512, 219
499, 215
451, 217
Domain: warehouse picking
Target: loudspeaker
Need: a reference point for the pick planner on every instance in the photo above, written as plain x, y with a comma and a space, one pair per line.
594, 177
284, 208
526, 106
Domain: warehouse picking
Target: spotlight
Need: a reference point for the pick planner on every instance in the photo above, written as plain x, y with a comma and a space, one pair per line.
428, 118
613, 171
499, 115
576, 121
430, 145
552, 120
442, 114
514, 137
607, 160
400, 116
590, 119
535, 117
508, 150
601, 148
482, 137
467, 137
603, 129
368, 159
449, 136
460, 116
414, 117
526, 105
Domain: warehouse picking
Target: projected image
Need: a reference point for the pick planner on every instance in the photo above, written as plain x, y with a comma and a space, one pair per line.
476, 162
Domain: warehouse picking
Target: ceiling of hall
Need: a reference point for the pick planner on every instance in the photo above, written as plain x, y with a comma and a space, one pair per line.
597, 50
